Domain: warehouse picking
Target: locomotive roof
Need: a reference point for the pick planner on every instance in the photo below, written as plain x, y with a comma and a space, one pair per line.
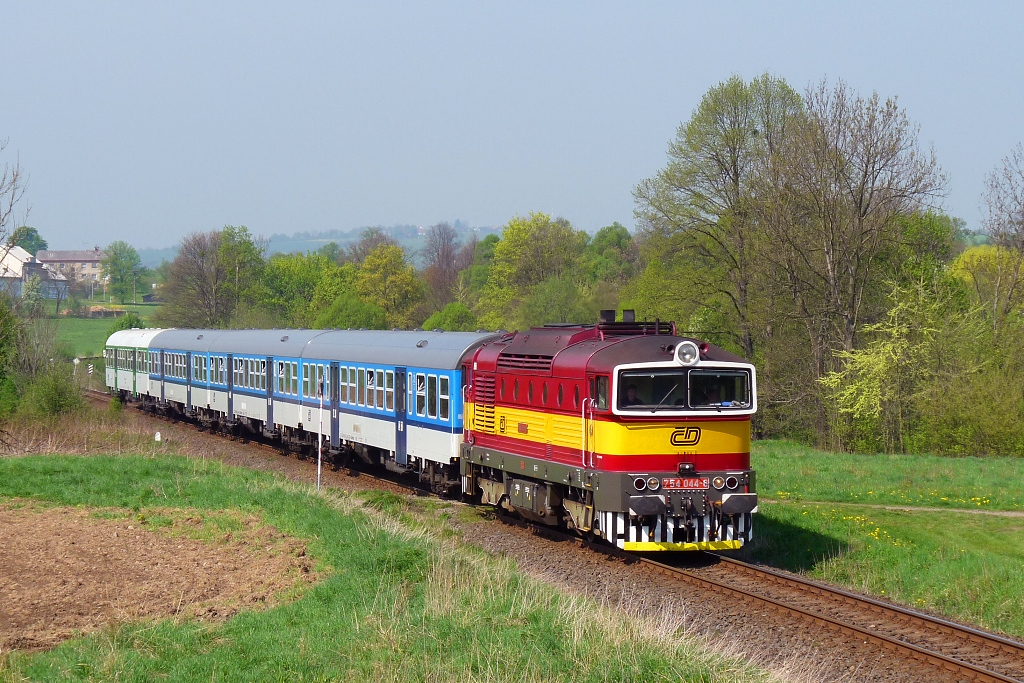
384, 347
570, 350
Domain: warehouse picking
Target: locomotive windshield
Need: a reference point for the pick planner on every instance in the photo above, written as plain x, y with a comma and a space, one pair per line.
677, 389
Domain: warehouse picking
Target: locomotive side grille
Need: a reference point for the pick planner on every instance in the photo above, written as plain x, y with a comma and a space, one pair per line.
485, 404
523, 361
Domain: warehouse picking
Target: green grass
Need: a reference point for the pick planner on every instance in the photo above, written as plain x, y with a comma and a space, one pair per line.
966, 566
84, 336
396, 601
788, 471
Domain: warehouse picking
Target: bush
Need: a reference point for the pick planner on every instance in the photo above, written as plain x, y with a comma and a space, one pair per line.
52, 391
127, 321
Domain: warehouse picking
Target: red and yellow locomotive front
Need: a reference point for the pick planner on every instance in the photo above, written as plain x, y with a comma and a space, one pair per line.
621, 430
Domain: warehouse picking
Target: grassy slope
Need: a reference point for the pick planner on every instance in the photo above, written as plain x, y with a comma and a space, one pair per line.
792, 472
967, 566
85, 336
398, 605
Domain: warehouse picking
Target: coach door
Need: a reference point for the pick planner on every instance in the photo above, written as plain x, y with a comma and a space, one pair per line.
161, 361
270, 379
334, 404
189, 379
230, 372
401, 428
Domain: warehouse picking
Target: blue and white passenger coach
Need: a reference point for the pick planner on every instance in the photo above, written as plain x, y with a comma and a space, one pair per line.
389, 397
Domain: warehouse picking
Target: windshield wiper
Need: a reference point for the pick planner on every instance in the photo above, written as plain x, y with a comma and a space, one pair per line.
655, 409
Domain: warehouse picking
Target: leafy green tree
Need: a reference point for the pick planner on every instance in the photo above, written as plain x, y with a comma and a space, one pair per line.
455, 317
555, 300
122, 266
386, 280
31, 297
532, 249
697, 217
333, 252
128, 321
611, 256
473, 279
290, 282
349, 311
241, 258
332, 284
28, 239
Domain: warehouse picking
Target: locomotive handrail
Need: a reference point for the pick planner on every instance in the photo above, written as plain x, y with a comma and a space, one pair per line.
583, 438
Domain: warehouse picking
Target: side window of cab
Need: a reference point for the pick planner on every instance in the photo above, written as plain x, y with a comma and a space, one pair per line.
599, 392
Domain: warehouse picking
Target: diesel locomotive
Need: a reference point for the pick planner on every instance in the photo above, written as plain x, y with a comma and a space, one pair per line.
623, 431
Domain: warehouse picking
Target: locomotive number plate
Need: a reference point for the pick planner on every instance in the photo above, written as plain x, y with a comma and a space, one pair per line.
685, 483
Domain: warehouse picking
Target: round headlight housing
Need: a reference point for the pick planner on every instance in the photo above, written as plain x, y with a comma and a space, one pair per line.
653, 484
640, 484
687, 353
718, 483
731, 483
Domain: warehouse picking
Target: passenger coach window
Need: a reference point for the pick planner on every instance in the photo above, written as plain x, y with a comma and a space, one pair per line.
295, 378
421, 395
352, 385
371, 386
432, 396
362, 386
380, 389
445, 398
390, 389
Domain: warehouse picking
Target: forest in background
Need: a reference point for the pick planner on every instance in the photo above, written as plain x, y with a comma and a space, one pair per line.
803, 231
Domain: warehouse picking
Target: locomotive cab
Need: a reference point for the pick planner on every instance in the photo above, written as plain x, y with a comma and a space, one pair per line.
651, 453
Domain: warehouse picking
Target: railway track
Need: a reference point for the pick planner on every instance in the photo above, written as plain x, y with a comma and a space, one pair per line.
961, 652
968, 654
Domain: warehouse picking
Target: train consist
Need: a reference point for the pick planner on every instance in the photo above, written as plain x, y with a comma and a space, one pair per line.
623, 431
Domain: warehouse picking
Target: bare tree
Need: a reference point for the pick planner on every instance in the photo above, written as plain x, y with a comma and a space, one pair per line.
196, 291
831, 202
441, 254
12, 188
370, 240
1004, 223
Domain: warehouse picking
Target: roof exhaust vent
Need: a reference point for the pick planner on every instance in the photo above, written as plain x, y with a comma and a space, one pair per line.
608, 315
628, 315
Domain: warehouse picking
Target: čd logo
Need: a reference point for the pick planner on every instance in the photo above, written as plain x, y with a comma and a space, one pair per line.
689, 436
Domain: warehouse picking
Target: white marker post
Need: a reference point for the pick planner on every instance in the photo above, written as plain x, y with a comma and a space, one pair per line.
319, 434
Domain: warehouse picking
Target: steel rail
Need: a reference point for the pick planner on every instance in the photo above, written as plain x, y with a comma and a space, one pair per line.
904, 614
950, 664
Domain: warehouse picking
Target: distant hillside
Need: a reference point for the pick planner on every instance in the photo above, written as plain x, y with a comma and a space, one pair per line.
410, 237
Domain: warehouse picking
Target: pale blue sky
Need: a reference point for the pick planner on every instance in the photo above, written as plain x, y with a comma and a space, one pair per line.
146, 121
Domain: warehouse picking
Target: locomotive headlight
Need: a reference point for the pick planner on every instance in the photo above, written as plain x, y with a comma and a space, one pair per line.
687, 353
732, 482
653, 484
640, 483
718, 483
